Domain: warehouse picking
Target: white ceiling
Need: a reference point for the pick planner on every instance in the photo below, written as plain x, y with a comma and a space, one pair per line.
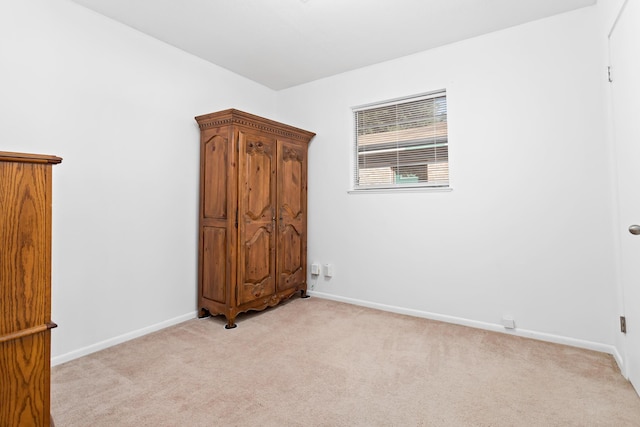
283, 43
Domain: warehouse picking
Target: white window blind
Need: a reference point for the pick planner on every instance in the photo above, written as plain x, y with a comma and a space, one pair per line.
402, 143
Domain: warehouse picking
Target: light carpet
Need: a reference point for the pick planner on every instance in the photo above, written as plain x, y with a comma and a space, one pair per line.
315, 362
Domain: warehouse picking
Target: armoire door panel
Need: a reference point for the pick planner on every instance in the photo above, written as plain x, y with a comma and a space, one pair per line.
257, 200
215, 161
290, 258
291, 242
214, 271
259, 176
257, 251
291, 176
258, 271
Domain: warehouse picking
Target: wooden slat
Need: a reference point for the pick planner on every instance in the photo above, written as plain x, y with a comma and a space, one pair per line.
26, 332
7, 156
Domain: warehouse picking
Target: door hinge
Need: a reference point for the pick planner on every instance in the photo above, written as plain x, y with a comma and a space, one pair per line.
623, 324
609, 74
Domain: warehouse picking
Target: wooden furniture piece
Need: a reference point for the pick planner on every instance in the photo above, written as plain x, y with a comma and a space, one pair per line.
25, 288
253, 213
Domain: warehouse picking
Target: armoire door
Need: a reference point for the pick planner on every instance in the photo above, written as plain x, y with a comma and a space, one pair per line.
256, 217
292, 206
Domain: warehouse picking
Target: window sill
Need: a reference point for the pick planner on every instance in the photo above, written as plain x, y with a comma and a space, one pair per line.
402, 190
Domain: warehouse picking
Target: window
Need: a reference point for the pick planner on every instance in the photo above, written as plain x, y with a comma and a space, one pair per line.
402, 143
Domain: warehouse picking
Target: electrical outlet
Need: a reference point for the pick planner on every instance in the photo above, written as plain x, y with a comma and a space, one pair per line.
508, 322
328, 270
315, 269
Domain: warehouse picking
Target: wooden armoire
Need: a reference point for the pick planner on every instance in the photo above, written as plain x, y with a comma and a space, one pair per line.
253, 213
25, 288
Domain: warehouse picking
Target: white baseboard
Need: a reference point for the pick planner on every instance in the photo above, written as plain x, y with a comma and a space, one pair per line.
58, 360
620, 361
495, 327
589, 345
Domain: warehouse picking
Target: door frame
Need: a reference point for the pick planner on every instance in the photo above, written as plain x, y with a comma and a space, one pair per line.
622, 344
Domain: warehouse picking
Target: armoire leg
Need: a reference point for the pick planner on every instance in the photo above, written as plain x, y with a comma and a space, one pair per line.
230, 324
303, 294
203, 312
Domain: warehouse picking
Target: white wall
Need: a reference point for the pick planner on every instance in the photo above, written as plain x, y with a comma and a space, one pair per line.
118, 107
527, 229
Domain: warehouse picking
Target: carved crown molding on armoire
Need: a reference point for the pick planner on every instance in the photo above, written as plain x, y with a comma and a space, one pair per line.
237, 117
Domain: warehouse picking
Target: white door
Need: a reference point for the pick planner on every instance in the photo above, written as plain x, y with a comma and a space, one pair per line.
624, 50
